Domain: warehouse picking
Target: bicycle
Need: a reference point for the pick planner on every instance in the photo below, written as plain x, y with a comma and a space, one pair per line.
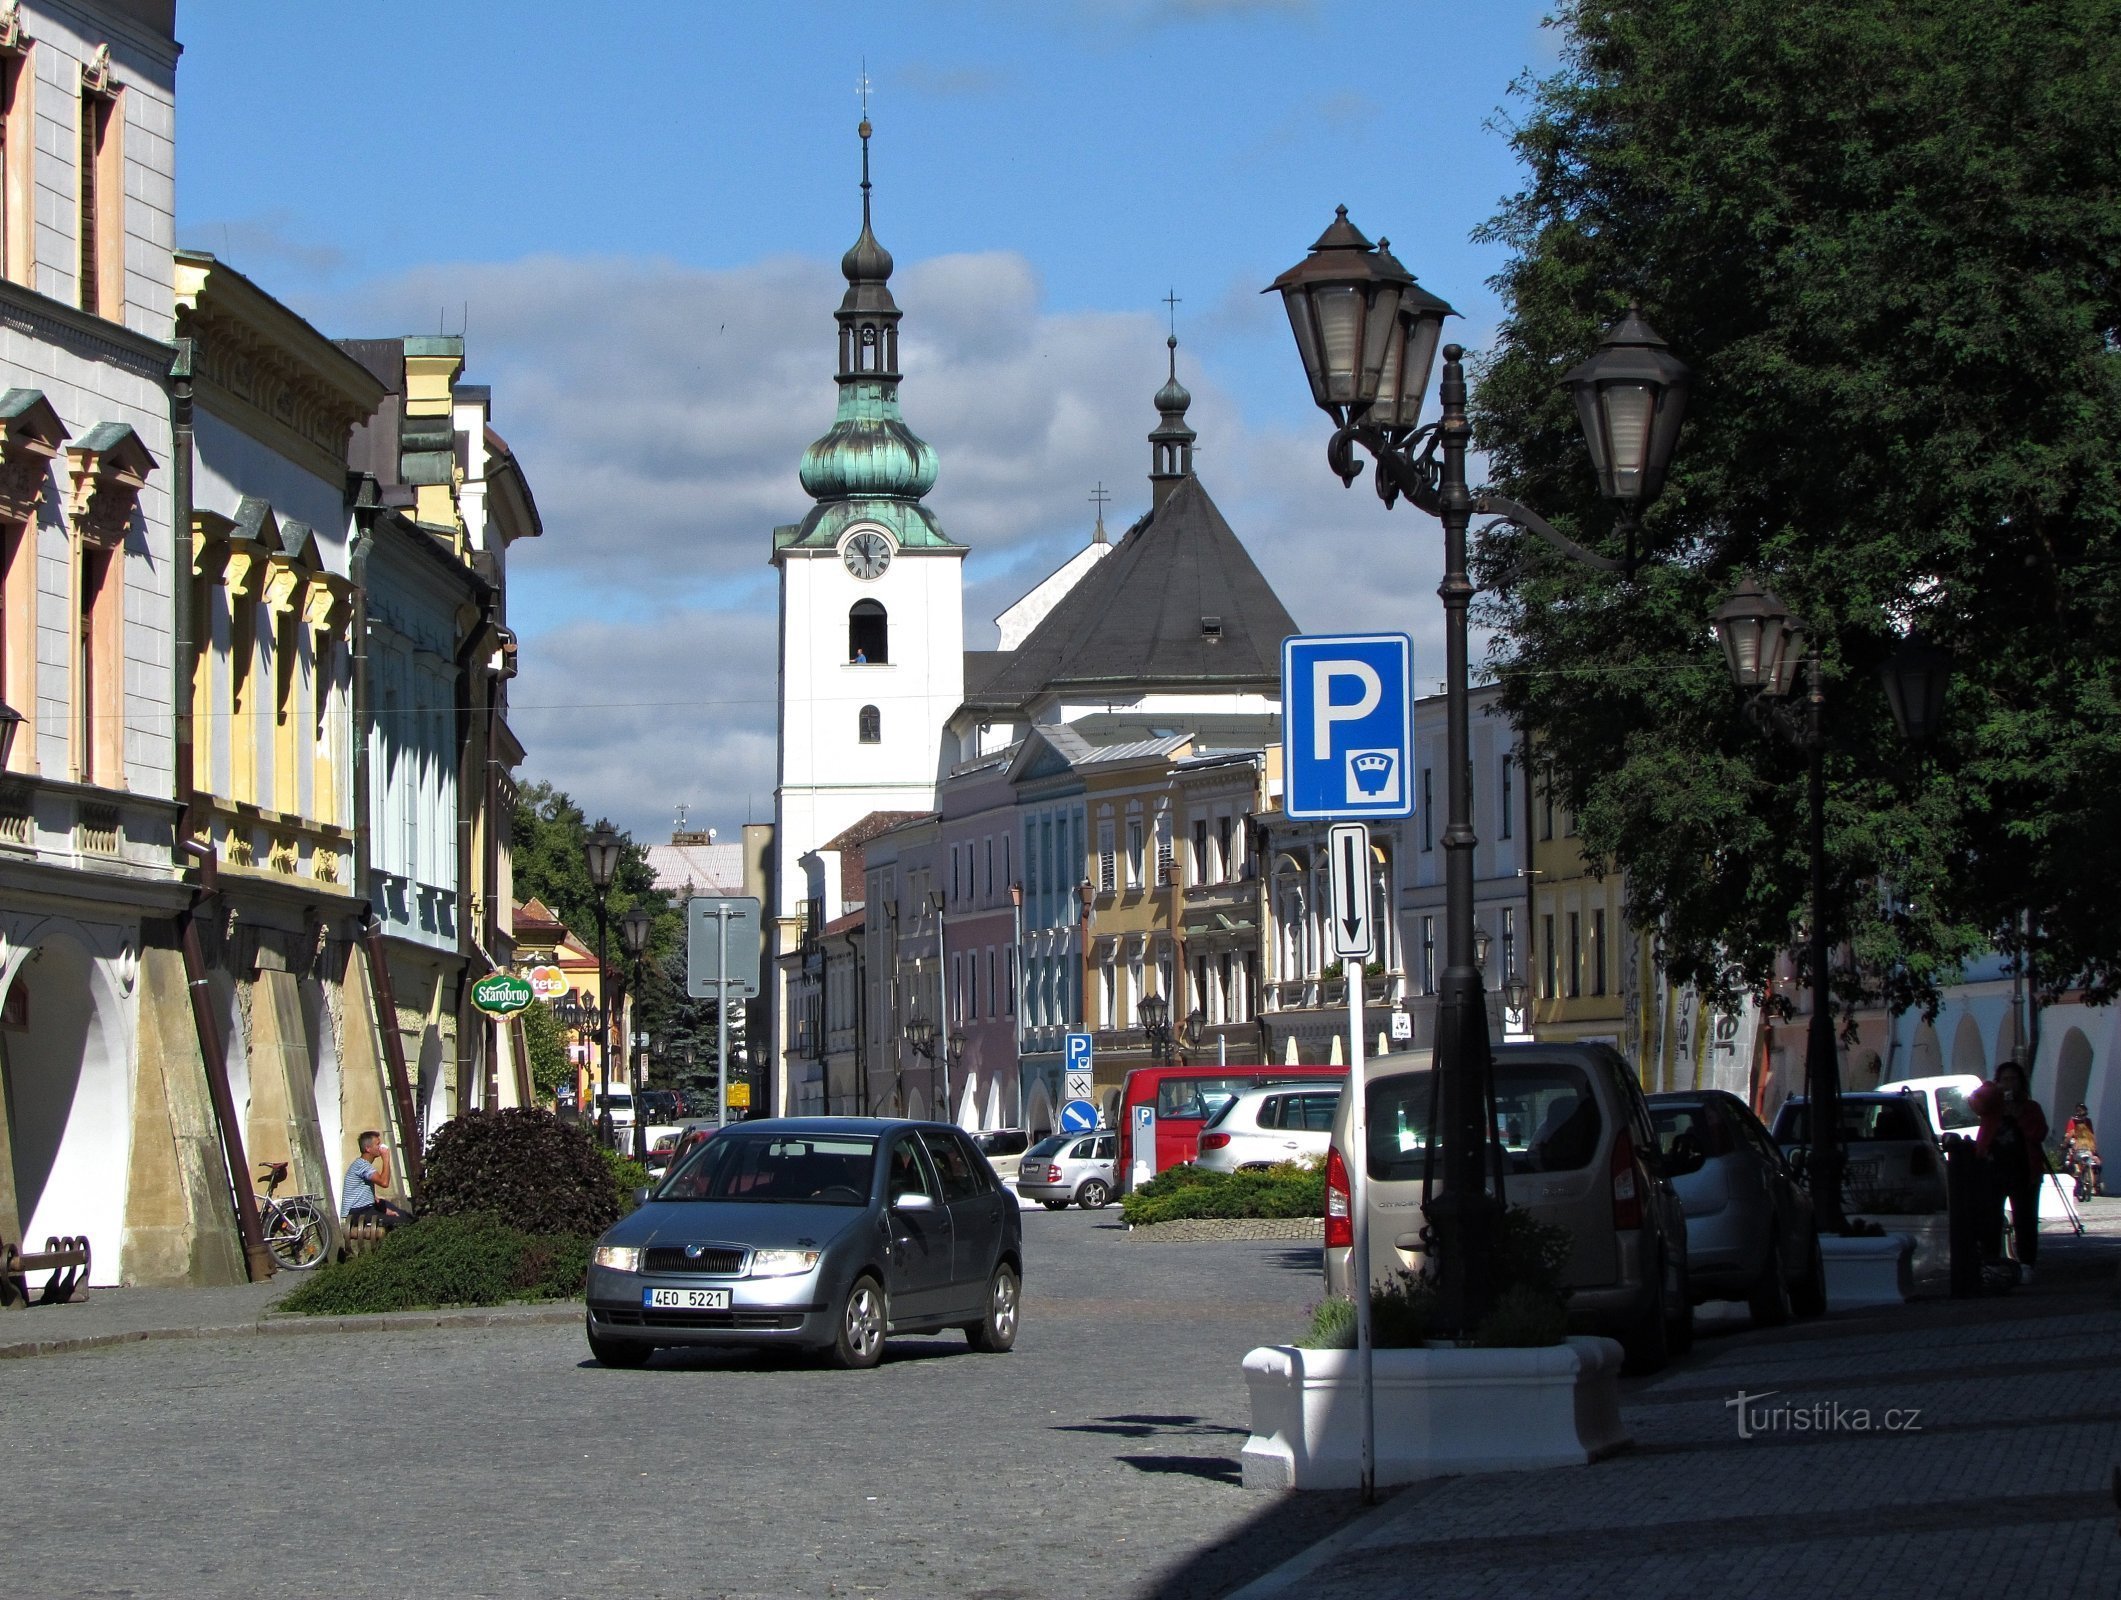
298, 1229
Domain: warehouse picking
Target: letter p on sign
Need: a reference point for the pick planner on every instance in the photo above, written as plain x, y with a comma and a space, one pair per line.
1327, 712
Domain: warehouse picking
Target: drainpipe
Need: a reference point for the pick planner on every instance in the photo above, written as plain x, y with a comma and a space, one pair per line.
470, 777
393, 1048
367, 503
257, 1260
184, 656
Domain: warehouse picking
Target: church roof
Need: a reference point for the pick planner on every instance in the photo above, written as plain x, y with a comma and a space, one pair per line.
1179, 602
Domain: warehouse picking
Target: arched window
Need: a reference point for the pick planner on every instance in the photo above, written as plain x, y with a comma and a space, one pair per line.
871, 726
868, 633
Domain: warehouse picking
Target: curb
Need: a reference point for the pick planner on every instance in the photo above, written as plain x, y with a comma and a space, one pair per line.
287, 1323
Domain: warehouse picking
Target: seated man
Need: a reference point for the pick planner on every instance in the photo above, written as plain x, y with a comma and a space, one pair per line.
358, 1200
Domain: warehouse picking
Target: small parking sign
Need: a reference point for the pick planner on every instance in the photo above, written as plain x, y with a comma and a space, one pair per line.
1347, 725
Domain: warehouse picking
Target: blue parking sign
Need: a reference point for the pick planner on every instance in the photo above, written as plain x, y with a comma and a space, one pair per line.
1347, 725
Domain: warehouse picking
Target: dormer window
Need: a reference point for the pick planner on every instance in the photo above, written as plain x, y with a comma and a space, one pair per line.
1211, 629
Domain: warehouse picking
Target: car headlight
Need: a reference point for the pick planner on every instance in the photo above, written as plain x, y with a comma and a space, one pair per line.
618, 1257
781, 1263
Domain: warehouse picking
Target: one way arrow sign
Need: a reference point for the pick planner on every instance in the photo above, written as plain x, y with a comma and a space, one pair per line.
1349, 844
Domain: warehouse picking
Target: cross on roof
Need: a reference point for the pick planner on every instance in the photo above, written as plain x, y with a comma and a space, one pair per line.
1171, 299
1098, 497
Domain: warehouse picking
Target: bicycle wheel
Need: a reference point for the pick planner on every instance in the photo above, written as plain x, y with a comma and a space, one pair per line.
296, 1233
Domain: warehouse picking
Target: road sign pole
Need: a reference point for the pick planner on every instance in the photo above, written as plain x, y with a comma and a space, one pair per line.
1359, 1215
721, 1017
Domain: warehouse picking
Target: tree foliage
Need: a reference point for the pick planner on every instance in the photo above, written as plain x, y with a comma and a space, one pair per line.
1887, 238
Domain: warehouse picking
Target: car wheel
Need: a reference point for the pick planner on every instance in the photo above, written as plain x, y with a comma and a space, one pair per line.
619, 1352
996, 1331
1094, 1195
1808, 1299
859, 1343
1054, 1205
1647, 1346
1770, 1296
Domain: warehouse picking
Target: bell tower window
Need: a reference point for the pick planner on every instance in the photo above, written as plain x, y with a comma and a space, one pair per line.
871, 726
868, 634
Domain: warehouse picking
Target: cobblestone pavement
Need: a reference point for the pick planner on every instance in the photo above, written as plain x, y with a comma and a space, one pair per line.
2000, 1484
1099, 1459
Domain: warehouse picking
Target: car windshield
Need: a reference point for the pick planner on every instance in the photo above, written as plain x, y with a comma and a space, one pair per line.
1862, 1122
806, 1169
1048, 1147
1545, 1111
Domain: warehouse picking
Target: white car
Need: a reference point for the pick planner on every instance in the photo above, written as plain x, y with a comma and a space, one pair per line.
1948, 1099
1282, 1122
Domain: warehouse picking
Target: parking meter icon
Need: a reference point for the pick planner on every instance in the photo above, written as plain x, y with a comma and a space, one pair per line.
1374, 775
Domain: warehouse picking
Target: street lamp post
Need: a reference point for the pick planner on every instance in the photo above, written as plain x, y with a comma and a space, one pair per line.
1368, 336
1762, 644
634, 928
1153, 1012
600, 854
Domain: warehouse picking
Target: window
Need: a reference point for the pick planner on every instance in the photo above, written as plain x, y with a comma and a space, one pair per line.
1549, 986
1009, 965
1546, 808
98, 702
868, 634
990, 866
956, 893
1108, 996
1222, 839
1107, 860
1428, 807
1134, 852
990, 981
17, 151
871, 726
1166, 852
101, 191
1502, 829
1200, 850
1428, 955
1509, 943
1598, 951
1575, 954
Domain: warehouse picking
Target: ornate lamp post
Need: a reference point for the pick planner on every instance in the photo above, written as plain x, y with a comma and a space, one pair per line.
1153, 1012
1368, 335
929, 1042
1763, 644
600, 854
633, 930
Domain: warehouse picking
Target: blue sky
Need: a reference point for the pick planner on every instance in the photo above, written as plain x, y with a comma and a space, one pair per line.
636, 211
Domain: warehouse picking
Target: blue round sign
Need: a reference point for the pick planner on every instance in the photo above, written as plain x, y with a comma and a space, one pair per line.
1078, 1116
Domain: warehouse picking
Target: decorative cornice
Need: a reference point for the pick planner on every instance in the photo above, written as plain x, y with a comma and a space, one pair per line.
107, 467
32, 436
269, 372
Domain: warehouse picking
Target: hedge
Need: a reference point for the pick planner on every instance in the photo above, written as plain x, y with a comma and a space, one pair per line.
525, 1167
1284, 1190
448, 1261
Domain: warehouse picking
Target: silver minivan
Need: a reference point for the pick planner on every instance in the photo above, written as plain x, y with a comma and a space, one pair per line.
1582, 1154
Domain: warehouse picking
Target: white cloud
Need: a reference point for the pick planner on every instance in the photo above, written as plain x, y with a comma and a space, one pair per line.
660, 412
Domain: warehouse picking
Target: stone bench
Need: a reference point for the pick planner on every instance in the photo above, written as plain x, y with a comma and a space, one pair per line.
65, 1259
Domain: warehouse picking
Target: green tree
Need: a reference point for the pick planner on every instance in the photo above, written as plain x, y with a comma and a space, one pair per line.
1888, 239
549, 1067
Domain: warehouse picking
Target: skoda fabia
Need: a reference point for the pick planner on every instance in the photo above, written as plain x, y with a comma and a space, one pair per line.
822, 1232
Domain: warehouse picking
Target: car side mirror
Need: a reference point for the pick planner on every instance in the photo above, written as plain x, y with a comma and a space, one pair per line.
640, 1195
915, 1201
1684, 1158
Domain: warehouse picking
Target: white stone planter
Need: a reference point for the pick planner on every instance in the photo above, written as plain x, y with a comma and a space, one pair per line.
1439, 1410
1868, 1272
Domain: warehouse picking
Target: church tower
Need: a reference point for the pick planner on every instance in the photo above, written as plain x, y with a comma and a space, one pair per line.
872, 634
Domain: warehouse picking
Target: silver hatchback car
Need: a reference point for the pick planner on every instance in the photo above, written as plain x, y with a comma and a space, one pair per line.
822, 1232
1750, 1234
1069, 1168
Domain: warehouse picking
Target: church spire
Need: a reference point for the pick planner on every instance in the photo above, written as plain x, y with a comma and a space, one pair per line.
1171, 445
868, 316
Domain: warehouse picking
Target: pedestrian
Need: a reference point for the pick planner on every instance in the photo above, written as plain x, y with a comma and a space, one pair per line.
2010, 1138
2080, 1151
370, 1171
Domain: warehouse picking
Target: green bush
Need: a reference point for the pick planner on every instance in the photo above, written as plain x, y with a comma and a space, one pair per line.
629, 1175
1524, 1317
447, 1261
1285, 1190
1402, 1315
523, 1166
1529, 1310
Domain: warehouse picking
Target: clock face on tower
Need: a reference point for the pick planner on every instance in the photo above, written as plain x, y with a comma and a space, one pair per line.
867, 554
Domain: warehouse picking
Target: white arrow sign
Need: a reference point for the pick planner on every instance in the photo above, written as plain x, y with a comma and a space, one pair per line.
1349, 844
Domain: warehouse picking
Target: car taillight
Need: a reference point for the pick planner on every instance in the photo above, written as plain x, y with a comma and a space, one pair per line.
1627, 1188
1214, 1141
1340, 1220
1053, 1175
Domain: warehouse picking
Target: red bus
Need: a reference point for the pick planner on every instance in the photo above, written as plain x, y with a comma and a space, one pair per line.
1161, 1110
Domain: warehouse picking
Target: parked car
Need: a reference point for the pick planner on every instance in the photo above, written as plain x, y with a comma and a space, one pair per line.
1948, 1100
619, 1102
1894, 1160
673, 1144
1004, 1148
1263, 1126
1159, 1111
1750, 1233
1583, 1155
1069, 1167
827, 1233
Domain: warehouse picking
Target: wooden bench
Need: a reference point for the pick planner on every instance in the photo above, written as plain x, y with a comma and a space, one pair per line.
65, 1259
358, 1238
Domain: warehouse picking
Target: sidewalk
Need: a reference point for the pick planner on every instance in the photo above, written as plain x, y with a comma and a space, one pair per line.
117, 1316
1940, 1448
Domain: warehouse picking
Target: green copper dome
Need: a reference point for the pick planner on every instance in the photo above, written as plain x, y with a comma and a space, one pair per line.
869, 449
